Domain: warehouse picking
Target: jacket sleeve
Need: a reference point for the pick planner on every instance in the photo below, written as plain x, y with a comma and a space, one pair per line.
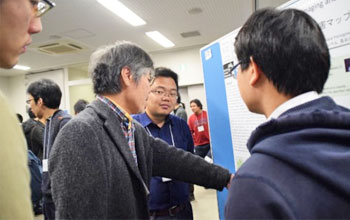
188, 137
183, 115
191, 126
15, 200
184, 166
75, 170
255, 198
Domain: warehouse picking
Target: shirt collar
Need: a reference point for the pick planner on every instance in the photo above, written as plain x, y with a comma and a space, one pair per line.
123, 115
293, 102
145, 120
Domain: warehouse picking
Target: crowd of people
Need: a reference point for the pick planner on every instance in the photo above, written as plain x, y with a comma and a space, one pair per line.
132, 154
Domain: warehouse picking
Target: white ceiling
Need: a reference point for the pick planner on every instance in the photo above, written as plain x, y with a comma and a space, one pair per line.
89, 24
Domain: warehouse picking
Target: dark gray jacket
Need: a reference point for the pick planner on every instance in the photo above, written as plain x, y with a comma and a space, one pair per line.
94, 175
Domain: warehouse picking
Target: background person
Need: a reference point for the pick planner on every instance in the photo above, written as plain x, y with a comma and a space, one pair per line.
300, 159
198, 123
44, 98
179, 110
80, 105
33, 129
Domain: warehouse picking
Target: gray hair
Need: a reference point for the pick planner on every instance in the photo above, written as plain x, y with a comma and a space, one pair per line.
107, 62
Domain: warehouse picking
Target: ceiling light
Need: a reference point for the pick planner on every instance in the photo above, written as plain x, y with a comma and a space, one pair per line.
19, 67
194, 11
160, 39
122, 11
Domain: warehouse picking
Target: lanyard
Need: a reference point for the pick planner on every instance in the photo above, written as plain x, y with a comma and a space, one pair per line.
47, 136
171, 134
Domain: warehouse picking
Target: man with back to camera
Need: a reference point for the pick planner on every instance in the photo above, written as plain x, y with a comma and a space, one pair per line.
198, 123
44, 98
33, 129
102, 161
179, 110
80, 105
19, 19
167, 197
300, 158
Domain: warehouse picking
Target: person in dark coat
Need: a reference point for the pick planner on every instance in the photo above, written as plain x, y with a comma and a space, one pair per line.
102, 161
33, 130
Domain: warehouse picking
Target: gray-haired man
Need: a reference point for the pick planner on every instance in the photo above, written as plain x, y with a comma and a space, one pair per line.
102, 161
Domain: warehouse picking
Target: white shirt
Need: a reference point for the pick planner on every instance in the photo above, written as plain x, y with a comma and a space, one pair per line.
293, 102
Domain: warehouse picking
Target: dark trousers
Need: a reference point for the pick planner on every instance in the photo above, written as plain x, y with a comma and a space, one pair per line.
49, 210
185, 213
202, 150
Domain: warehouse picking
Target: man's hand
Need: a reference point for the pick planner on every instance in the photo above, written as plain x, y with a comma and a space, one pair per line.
229, 183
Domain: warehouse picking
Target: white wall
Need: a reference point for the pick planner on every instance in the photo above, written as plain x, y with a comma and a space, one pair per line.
4, 85
186, 63
17, 94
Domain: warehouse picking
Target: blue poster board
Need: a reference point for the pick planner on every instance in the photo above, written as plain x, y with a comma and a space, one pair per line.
219, 124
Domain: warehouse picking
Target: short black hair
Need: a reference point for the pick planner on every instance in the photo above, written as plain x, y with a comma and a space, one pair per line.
178, 100
48, 90
80, 105
289, 48
165, 72
198, 103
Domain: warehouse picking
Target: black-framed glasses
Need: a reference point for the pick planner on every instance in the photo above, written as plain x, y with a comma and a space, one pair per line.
234, 70
42, 7
162, 92
28, 101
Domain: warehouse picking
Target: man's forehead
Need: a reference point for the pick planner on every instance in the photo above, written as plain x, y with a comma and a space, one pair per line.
160, 81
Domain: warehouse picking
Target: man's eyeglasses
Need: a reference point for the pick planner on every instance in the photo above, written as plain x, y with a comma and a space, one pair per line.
162, 92
28, 101
42, 6
234, 70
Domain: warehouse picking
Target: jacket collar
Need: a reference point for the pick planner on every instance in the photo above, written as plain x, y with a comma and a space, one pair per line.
112, 125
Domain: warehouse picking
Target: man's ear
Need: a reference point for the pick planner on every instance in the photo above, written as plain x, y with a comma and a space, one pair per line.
255, 72
126, 76
40, 102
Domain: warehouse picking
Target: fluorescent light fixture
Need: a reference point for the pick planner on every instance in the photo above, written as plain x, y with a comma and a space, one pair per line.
19, 67
122, 11
160, 39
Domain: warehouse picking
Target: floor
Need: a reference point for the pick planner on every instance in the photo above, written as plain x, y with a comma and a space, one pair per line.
205, 205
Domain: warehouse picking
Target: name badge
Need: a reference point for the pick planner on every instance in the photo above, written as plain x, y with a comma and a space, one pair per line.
200, 128
45, 165
164, 179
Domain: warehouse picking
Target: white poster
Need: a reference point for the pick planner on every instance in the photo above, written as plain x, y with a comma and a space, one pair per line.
333, 17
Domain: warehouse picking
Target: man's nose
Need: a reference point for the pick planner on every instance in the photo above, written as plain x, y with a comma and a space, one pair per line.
35, 26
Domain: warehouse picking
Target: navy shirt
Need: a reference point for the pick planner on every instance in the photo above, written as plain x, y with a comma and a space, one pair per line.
175, 131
